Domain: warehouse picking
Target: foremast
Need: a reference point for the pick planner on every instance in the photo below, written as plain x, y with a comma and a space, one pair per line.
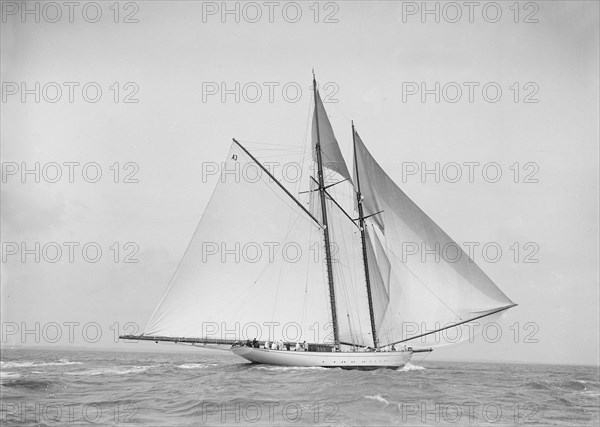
363, 237
322, 194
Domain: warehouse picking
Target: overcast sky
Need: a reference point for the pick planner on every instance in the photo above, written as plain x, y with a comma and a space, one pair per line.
374, 57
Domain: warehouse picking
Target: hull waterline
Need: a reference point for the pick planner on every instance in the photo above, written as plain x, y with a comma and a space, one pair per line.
346, 360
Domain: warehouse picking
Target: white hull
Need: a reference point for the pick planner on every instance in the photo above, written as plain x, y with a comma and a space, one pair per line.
350, 360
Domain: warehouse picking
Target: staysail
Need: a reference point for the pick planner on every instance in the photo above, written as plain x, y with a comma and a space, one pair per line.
432, 283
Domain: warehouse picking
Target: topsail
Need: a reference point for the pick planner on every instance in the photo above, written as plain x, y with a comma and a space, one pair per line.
332, 156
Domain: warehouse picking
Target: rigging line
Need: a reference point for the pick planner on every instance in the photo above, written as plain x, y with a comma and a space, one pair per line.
284, 201
362, 275
335, 104
331, 161
278, 150
337, 204
349, 121
279, 156
375, 243
388, 308
342, 267
281, 269
324, 276
305, 138
305, 302
340, 208
362, 290
242, 297
343, 158
278, 183
272, 144
457, 324
172, 281
350, 328
348, 287
273, 147
277, 249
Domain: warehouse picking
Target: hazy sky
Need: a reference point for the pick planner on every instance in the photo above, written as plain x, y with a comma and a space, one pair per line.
374, 58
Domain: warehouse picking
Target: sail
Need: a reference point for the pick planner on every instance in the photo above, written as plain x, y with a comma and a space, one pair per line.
351, 300
379, 274
330, 150
354, 324
250, 270
435, 286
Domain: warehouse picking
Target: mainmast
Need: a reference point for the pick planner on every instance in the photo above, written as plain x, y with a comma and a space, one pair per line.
361, 225
322, 194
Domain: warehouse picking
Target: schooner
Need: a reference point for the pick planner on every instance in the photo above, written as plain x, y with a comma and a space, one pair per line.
239, 283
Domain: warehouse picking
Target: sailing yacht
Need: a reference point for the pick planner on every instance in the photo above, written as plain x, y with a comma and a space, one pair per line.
253, 274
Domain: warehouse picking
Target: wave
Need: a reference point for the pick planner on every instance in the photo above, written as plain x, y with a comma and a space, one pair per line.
112, 371
195, 365
9, 375
29, 364
410, 367
378, 398
569, 385
289, 368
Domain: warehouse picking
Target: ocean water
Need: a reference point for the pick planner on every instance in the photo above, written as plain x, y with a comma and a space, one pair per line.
49, 387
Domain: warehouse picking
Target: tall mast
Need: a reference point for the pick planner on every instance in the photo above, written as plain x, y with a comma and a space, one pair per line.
321, 181
361, 224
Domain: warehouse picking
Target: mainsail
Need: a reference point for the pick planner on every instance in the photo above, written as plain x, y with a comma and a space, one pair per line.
251, 269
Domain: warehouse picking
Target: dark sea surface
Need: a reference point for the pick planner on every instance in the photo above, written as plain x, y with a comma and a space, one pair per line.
49, 387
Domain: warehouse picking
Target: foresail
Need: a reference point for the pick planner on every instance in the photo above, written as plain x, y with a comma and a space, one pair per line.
433, 282
332, 156
250, 270
379, 273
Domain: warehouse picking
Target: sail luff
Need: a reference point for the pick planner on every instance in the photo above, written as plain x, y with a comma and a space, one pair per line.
361, 226
321, 181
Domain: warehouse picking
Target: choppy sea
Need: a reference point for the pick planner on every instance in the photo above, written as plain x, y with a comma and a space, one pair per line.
49, 387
